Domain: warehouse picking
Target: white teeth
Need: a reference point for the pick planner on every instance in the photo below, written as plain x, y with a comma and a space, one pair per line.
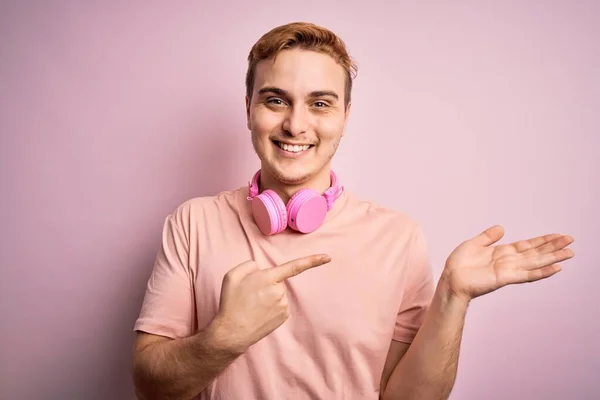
293, 148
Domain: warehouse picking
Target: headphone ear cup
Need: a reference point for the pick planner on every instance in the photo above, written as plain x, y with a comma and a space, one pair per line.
270, 213
306, 210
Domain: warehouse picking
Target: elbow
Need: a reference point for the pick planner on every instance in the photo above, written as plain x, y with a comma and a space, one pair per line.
144, 382
139, 394
145, 389
139, 385
413, 394
388, 394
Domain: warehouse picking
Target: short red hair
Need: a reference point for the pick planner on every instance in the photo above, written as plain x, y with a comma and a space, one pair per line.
305, 36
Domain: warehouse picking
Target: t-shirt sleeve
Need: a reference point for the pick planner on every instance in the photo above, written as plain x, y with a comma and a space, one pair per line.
418, 291
168, 305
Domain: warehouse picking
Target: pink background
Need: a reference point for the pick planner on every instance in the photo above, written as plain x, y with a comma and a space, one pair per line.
464, 115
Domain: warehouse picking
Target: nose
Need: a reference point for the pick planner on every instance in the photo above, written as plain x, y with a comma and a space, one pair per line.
296, 121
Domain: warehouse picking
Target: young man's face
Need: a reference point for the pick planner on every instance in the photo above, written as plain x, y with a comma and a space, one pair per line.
297, 114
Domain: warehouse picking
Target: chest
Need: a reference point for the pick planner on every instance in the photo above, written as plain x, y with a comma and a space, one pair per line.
355, 297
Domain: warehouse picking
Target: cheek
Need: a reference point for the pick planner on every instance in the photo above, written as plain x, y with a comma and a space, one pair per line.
330, 129
264, 122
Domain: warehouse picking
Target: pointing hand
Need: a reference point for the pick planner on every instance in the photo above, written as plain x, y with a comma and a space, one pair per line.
254, 301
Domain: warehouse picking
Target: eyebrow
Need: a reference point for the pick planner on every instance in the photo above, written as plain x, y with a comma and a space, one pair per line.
282, 92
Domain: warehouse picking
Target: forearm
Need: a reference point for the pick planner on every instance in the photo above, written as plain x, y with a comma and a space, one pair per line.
428, 369
180, 369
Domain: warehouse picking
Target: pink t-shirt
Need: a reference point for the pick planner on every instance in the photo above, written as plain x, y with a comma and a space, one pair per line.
343, 315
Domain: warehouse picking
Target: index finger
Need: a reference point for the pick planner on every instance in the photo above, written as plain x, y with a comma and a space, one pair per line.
297, 266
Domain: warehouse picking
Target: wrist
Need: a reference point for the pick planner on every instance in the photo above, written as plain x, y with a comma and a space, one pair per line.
448, 292
223, 339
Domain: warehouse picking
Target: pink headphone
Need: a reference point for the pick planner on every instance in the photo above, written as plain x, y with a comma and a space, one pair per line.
305, 211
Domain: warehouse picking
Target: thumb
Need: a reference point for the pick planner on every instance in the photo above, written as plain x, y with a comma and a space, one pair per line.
490, 236
240, 271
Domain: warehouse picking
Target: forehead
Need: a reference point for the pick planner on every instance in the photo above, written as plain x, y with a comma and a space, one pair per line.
300, 72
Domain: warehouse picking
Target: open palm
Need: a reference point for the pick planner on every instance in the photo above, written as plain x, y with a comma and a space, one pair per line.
476, 267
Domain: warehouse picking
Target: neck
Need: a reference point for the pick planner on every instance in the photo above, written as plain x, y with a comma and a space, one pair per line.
320, 183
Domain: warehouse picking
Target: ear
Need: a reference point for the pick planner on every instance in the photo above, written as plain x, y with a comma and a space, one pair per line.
248, 112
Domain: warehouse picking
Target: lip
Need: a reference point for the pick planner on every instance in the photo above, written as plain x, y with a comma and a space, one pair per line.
292, 144
289, 154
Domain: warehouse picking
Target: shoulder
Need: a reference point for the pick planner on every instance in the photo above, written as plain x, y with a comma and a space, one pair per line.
384, 218
204, 208
396, 233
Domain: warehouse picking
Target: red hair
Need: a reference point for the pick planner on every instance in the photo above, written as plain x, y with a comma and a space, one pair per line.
305, 36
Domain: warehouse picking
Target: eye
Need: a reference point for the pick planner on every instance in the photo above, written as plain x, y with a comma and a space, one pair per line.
320, 104
275, 101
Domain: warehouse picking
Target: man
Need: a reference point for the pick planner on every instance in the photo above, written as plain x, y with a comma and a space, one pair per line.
292, 288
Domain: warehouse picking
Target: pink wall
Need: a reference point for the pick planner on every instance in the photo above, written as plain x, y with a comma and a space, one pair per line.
463, 116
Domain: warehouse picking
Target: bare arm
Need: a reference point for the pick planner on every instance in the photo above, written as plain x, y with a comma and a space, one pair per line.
428, 369
253, 303
395, 353
180, 369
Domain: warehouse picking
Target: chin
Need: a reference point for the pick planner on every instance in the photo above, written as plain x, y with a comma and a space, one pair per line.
292, 175
291, 171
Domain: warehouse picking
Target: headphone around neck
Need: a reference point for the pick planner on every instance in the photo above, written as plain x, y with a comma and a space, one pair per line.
305, 211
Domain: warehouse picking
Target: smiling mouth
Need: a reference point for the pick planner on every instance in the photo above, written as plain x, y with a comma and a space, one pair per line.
293, 148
